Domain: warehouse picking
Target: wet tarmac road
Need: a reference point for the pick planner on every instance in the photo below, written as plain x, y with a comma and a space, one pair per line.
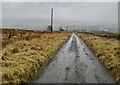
74, 63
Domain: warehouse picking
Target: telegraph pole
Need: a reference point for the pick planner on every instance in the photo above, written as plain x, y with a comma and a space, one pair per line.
51, 20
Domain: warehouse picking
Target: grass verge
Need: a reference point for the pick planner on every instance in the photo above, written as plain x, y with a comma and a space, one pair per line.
107, 50
21, 60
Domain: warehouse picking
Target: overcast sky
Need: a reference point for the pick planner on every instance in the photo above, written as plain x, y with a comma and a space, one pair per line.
60, 0
65, 13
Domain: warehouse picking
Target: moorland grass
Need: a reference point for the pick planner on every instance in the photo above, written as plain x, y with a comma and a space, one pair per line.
107, 50
23, 58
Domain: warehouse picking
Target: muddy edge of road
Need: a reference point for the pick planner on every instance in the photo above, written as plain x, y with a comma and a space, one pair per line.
49, 61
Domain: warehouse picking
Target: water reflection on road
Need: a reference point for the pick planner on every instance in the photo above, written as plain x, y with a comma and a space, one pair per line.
74, 63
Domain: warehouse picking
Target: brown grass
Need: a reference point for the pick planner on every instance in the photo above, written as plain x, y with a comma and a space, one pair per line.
107, 50
22, 59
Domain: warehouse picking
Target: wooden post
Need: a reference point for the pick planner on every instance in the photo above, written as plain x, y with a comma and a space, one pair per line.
9, 36
51, 20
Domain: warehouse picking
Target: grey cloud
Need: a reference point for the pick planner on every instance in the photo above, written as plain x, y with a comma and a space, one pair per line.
70, 13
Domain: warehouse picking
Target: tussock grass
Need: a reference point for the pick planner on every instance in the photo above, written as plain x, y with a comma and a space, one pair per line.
107, 50
22, 59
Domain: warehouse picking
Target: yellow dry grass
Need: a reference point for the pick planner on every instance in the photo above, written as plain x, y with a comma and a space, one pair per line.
21, 60
107, 50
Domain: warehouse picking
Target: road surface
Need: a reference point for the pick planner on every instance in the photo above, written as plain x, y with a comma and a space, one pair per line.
74, 63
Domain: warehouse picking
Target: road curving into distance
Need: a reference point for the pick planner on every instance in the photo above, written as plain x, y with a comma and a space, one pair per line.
74, 63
